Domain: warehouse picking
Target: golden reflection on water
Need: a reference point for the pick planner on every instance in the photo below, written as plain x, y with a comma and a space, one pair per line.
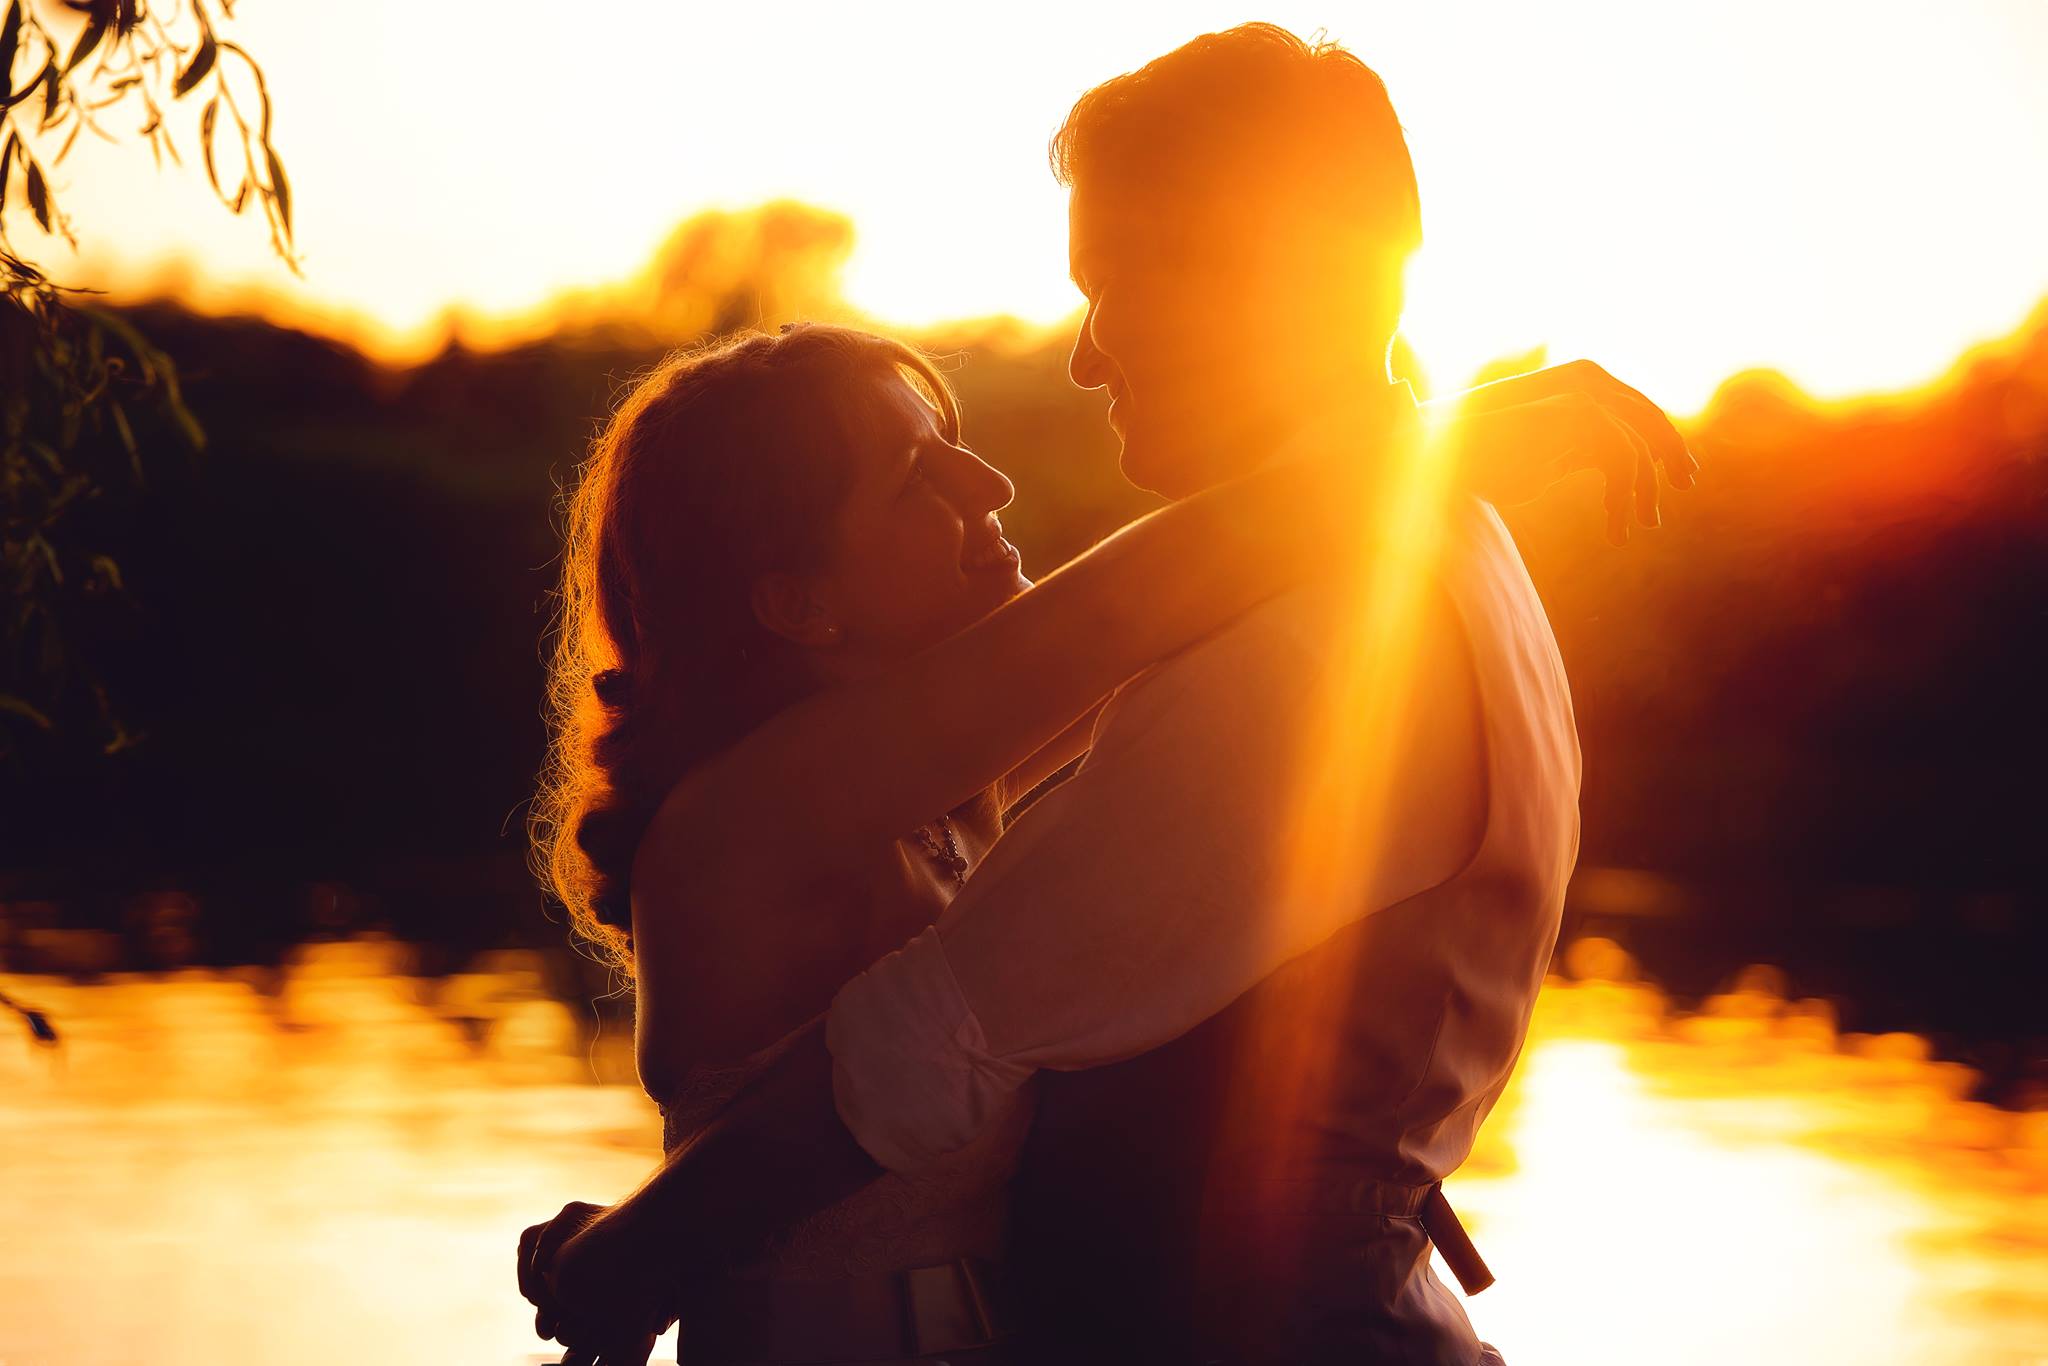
332, 1164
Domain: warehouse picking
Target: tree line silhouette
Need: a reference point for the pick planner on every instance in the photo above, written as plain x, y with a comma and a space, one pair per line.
1809, 705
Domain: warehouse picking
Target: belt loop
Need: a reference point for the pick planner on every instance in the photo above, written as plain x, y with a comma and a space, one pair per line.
911, 1332
983, 1323
1440, 1222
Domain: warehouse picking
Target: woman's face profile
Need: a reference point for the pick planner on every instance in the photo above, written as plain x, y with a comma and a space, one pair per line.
919, 552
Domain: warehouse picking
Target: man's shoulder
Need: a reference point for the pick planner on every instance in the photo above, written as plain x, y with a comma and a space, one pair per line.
1283, 654
1271, 647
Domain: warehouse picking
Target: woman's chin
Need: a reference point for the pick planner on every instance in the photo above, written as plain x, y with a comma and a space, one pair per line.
989, 589
1010, 581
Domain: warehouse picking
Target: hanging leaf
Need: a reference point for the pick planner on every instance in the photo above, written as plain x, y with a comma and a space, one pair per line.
262, 90
20, 707
280, 189
38, 196
95, 29
206, 140
10, 39
202, 62
6, 166
41, 544
127, 435
126, 16
53, 91
18, 96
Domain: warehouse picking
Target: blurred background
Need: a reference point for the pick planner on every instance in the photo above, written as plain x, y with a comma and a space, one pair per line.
270, 710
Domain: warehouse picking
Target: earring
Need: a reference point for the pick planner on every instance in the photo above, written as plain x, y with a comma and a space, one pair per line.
832, 633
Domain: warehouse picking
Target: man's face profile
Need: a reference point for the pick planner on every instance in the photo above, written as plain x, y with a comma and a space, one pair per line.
1192, 331
1214, 326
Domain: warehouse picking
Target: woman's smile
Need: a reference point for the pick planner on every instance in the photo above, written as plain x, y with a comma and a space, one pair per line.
987, 549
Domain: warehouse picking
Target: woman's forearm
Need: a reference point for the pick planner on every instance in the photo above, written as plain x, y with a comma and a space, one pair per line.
777, 1154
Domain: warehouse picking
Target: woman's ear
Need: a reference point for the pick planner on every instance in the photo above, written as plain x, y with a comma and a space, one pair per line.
789, 605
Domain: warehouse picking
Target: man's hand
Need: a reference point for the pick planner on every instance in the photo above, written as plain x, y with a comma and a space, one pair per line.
596, 1286
1516, 437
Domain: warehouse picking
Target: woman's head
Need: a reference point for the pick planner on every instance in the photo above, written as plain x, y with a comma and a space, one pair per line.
759, 518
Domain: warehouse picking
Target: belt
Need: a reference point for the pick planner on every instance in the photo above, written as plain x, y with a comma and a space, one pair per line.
1332, 1194
956, 1306
1441, 1223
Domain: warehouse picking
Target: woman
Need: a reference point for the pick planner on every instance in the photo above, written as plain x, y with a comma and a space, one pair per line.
789, 606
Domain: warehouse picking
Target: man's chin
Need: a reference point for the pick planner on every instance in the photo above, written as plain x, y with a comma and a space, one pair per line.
1148, 466
1138, 462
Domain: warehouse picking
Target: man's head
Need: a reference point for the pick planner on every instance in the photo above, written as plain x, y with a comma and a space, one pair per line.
1242, 211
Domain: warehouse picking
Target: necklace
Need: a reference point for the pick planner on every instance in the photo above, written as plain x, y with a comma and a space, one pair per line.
948, 856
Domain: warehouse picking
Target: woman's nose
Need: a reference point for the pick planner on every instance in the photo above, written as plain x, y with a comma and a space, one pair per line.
978, 486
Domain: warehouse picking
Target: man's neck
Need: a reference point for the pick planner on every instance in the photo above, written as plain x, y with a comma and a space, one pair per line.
1359, 413
1355, 414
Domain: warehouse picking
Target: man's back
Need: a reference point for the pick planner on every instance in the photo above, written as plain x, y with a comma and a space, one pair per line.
1248, 1191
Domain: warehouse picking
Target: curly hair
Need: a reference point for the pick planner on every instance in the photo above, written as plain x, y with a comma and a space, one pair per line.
723, 463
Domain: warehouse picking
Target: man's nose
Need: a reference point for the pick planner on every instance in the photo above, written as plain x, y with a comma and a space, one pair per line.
1087, 366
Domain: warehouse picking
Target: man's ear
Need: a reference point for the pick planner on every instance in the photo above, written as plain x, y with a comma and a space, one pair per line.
789, 605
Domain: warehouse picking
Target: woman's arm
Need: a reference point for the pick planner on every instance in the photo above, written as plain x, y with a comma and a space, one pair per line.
867, 761
1514, 439
726, 947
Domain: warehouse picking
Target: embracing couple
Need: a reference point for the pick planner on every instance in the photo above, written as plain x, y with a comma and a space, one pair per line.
1166, 1065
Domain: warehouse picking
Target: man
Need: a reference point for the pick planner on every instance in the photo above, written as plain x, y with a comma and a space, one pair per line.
1277, 942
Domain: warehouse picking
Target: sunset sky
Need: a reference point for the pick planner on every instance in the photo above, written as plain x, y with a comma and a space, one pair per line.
1851, 192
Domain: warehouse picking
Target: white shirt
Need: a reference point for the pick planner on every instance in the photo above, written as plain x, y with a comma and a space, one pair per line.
1297, 771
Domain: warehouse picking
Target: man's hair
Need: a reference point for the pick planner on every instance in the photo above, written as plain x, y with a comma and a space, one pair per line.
1252, 115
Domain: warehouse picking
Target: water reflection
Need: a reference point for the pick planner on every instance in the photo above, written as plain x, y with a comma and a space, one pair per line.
331, 1163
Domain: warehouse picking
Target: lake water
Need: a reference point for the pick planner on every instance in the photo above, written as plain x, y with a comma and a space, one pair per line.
332, 1164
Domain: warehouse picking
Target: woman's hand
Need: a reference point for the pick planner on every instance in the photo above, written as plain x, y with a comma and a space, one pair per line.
1518, 436
598, 1286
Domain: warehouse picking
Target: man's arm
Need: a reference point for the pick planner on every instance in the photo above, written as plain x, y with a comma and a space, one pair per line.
1226, 820
1240, 806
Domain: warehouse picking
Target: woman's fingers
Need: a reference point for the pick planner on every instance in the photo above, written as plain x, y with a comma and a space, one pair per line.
529, 1279
1666, 443
633, 1350
1584, 378
1688, 473
1616, 502
634, 1353
573, 1219
1646, 490
1603, 442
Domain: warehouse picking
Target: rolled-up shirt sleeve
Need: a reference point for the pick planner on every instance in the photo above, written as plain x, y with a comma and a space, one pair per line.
912, 1074
1126, 906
